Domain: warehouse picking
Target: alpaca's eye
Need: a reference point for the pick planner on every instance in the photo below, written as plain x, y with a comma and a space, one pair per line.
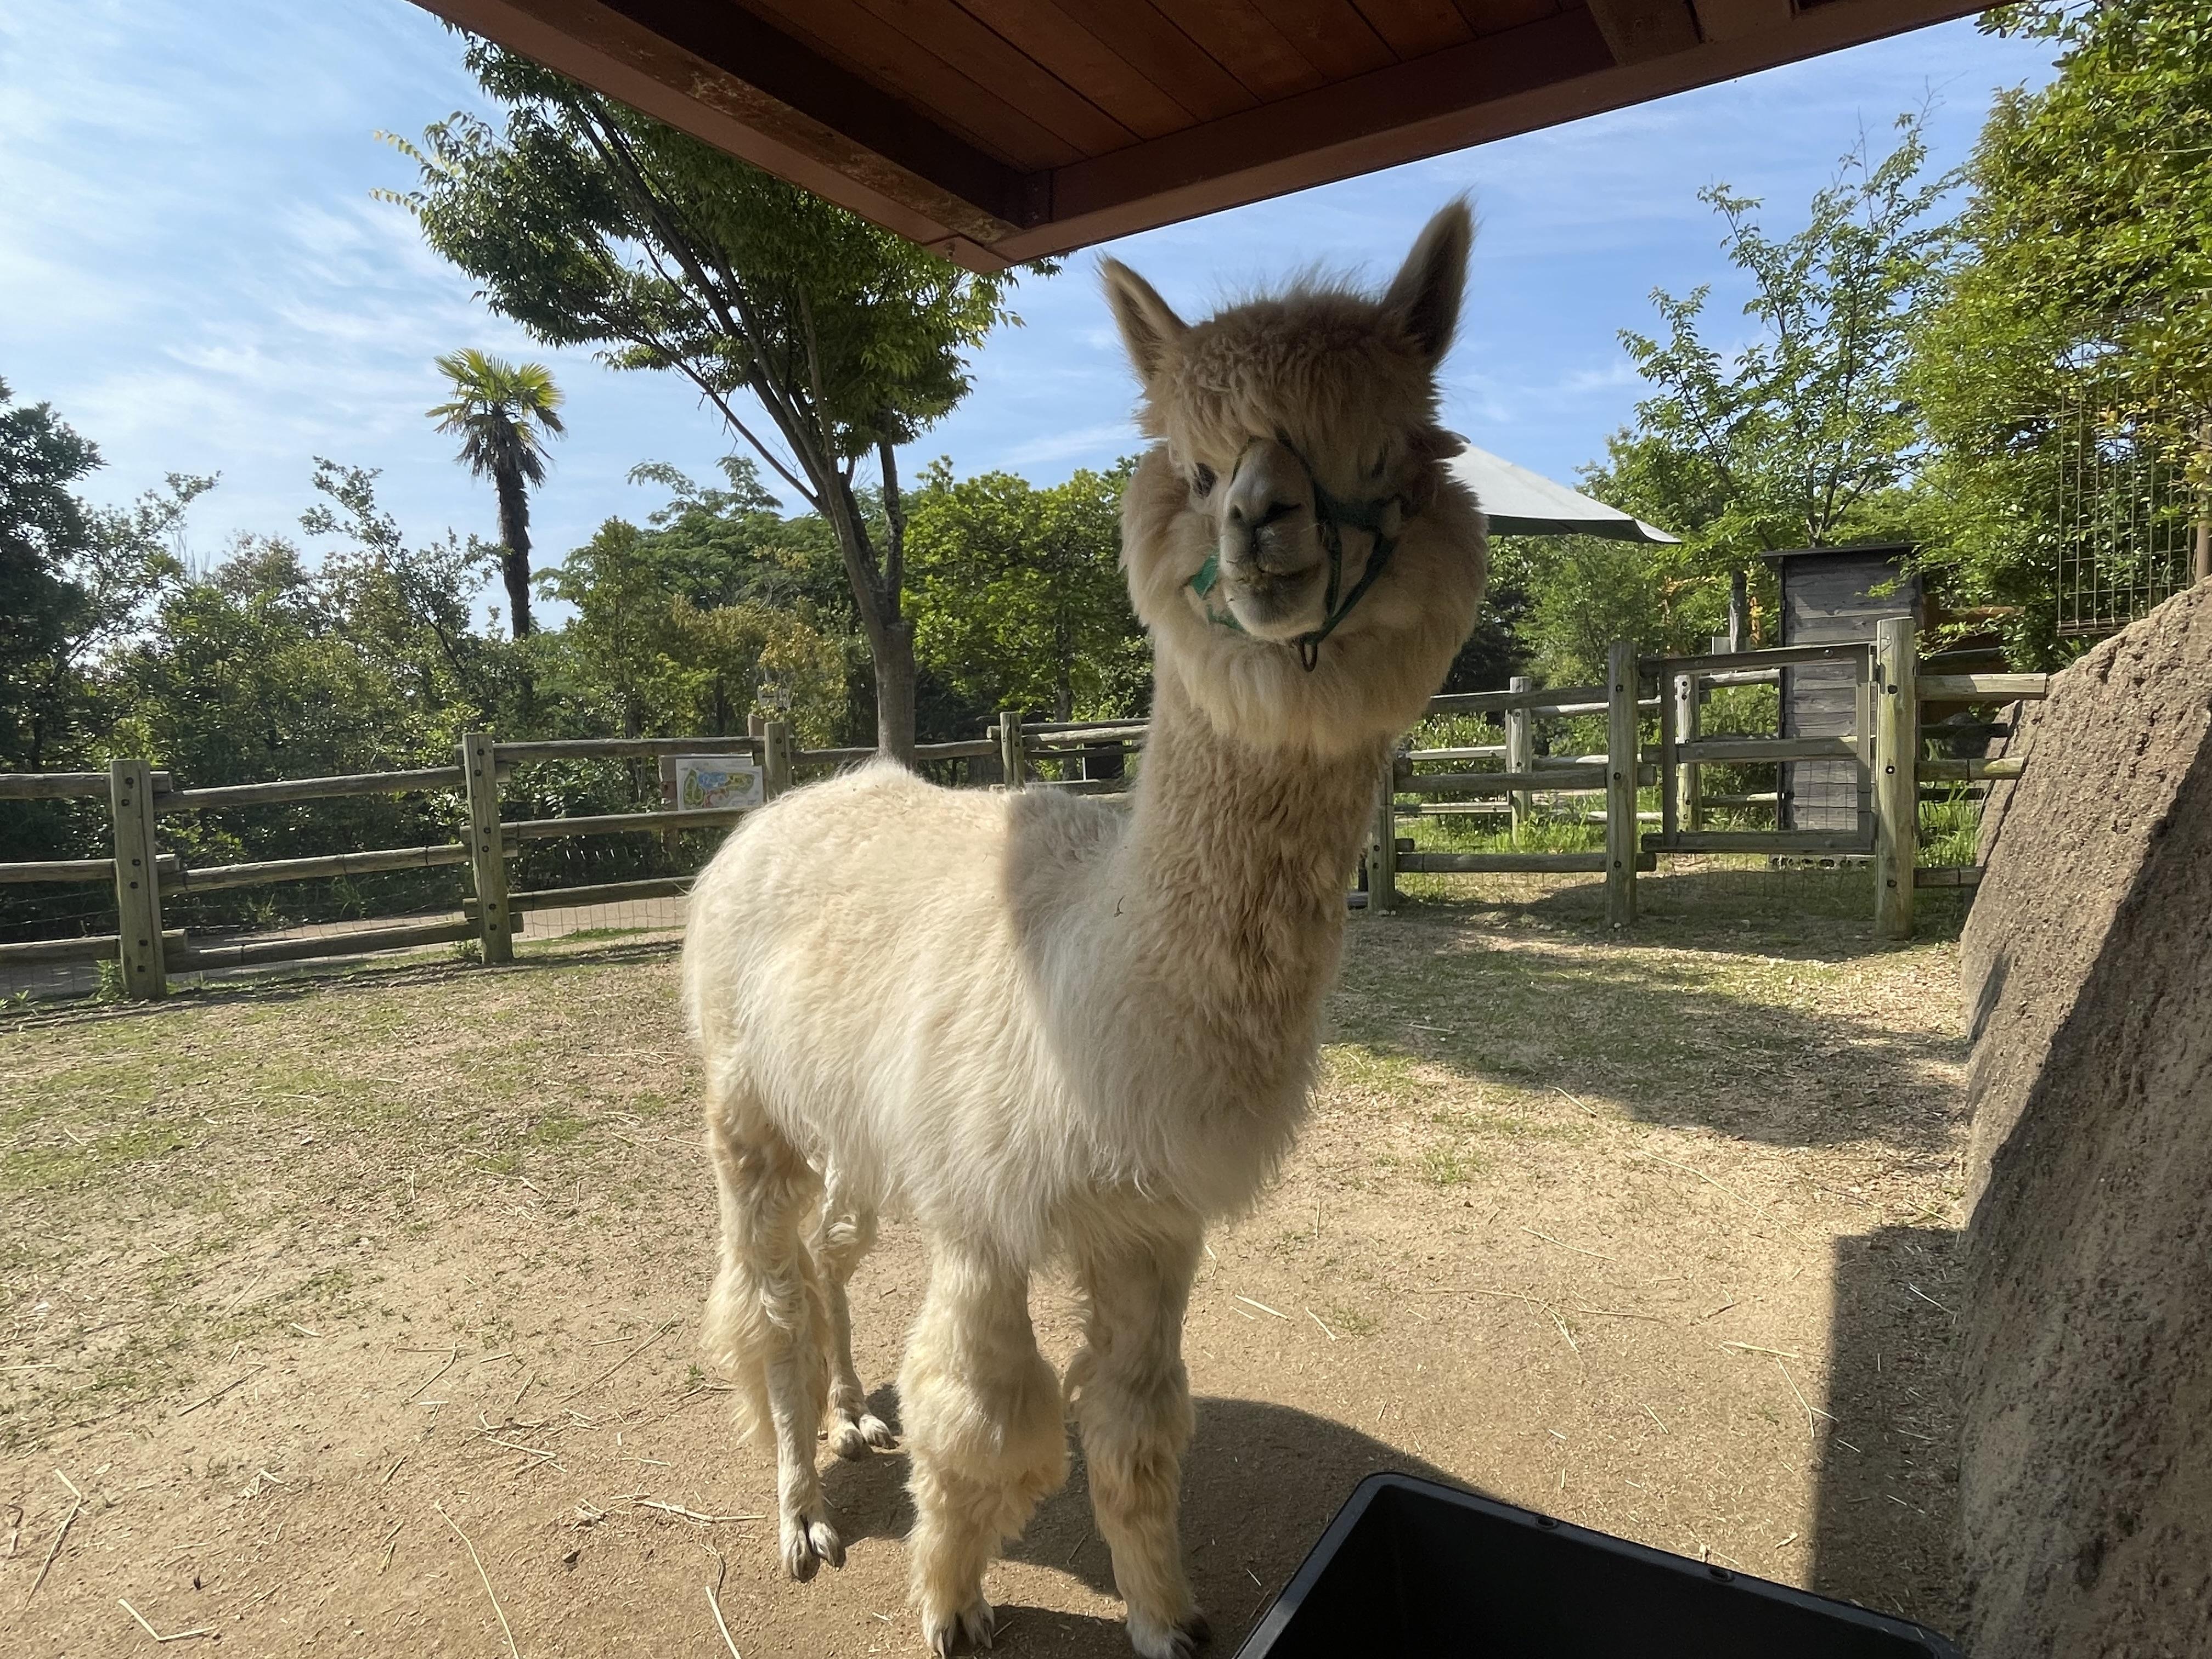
1382, 465
1201, 480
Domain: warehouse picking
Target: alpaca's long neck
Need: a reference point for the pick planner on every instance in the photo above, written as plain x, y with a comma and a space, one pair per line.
1243, 855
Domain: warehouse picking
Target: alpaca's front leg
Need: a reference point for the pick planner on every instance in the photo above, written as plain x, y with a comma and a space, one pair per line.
985, 1429
1132, 1400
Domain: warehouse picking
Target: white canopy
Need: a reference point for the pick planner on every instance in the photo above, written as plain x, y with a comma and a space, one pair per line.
1519, 503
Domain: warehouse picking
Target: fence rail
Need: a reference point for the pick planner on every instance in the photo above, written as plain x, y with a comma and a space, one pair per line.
286, 789
62, 785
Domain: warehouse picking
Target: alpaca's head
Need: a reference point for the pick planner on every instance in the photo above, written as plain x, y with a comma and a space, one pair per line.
1307, 567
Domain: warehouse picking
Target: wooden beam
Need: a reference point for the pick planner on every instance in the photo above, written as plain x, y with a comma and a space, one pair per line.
1621, 769
1896, 757
1555, 69
722, 75
487, 847
138, 883
1638, 31
291, 789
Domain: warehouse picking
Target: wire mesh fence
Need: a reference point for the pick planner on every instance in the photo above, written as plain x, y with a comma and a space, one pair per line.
2127, 517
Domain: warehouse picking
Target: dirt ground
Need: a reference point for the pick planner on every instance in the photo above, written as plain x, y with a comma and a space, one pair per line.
359, 1314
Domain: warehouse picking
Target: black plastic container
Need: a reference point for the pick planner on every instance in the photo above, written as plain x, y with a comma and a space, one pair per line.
1412, 1568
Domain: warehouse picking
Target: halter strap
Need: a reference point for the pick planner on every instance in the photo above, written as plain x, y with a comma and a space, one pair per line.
1331, 514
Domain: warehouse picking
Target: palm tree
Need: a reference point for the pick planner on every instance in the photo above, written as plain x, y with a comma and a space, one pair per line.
500, 411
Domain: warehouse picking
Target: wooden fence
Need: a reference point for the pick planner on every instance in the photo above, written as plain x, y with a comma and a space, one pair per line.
139, 797
1884, 744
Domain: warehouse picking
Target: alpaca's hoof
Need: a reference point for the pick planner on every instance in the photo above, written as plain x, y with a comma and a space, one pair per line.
1155, 1640
974, 1624
808, 1544
855, 1437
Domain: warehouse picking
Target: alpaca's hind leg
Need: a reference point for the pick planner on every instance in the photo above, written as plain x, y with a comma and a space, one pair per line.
769, 1323
1132, 1400
848, 1232
986, 1431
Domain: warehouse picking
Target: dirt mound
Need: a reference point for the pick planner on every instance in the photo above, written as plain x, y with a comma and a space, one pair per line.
2086, 1479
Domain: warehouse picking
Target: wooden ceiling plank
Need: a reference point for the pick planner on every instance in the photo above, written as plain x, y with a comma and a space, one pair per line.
1261, 141
1495, 16
1731, 20
941, 188
1330, 34
907, 70
1640, 30
987, 57
1163, 54
1555, 69
1414, 28
1050, 38
1236, 36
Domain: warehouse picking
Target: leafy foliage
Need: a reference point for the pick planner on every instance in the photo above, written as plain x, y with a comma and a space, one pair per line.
591, 224
1808, 436
716, 613
2088, 285
1018, 599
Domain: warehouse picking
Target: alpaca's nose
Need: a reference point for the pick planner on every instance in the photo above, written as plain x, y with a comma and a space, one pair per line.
1267, 516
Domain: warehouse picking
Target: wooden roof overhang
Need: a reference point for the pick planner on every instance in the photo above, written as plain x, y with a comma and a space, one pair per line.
996, 130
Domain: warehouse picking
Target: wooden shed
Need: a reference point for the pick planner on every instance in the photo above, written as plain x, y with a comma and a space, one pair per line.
1831, 595
995, 131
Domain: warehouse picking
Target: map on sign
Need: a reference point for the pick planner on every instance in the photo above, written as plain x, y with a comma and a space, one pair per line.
716, 782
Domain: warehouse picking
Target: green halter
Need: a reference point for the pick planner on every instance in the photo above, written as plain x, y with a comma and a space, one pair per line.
1331, 516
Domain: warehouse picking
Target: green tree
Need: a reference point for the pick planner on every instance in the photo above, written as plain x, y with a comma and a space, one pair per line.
1588, 591
409, 610
671, 655
591, 224
501, 412
44, 531
1808, 436
75, 581
2087, 286
1018, 601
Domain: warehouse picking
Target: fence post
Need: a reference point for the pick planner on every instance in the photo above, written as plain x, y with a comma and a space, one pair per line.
1011, 759
1688, 786
1622, 763
1520, 757
487, 851
1896, 765
1382, 862
775, 759
138, 883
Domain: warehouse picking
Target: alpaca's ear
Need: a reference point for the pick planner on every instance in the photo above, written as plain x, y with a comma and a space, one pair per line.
1148, 327
1424, 295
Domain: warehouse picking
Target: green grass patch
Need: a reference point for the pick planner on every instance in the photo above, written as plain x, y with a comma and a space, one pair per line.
1349, 1321
1449, 1166
557, 1131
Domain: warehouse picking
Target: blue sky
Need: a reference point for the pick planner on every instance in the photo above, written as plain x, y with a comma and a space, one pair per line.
193, 270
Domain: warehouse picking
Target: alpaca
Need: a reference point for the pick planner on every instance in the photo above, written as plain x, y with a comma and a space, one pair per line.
1057, 1030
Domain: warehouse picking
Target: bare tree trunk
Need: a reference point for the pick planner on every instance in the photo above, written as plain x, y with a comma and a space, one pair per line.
1739, 613
875, 593
895, 694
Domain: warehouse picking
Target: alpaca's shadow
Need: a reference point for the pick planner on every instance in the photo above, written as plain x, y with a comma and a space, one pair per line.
1260, 1483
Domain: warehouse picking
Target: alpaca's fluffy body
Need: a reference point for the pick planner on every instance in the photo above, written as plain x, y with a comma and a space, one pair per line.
1051, 1028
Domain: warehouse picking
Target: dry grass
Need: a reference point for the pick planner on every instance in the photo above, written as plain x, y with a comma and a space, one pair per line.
1651, 1231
